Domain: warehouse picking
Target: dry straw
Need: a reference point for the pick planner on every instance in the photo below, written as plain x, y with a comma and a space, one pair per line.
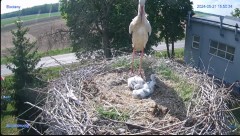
94, 99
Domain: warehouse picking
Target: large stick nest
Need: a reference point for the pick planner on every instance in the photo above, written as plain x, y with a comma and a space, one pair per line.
94, 99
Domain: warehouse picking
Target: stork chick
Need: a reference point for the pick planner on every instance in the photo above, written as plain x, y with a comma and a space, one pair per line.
140, 29
147, 89
135, 82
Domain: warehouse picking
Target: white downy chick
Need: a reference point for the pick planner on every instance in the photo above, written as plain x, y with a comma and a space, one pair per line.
138, 86
152, 83
147, 89
136, 80
142, 92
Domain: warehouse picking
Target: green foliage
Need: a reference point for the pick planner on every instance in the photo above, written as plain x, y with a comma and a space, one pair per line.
167, 73
8, 110
112, 113
8, 117
123, 62
95, 27
50, 73
24, 59
236, 13
4, 60
167, 17
179, 53
7, 83
185, 89
99, 24
7, 89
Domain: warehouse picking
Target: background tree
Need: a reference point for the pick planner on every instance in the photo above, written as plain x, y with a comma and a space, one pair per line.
24, 59
104, 24
100, 24
236, 13
167, 17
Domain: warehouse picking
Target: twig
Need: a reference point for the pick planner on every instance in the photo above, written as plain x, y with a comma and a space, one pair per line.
33, 128
153, 129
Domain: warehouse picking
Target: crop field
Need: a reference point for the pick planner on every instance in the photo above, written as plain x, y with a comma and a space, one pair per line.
9, 21
37, 30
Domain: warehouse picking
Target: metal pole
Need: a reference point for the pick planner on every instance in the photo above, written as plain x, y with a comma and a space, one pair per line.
221, 20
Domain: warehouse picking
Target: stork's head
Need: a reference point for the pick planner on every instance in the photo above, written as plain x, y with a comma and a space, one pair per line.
142, 5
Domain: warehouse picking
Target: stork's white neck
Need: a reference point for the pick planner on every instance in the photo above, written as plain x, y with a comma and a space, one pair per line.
139, 10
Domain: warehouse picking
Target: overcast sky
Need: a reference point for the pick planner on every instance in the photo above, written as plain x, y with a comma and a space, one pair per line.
217, 10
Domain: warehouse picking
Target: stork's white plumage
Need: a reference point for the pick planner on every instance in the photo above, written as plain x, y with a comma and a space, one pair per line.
140, 29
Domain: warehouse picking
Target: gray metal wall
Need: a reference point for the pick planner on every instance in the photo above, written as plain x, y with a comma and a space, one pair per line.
201, 57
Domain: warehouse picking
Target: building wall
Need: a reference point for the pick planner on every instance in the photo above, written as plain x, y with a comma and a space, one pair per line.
201, 57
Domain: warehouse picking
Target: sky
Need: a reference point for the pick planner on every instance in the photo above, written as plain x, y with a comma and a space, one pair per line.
231, 5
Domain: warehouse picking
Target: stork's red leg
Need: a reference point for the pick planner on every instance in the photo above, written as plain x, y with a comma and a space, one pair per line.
140, 66
132, 59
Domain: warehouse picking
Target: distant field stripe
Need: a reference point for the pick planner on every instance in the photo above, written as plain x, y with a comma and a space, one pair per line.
9, 21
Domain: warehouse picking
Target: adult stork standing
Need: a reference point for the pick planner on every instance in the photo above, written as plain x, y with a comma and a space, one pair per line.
140, 29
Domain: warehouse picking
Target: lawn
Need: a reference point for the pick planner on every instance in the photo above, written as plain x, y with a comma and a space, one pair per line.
9, 21
8, 117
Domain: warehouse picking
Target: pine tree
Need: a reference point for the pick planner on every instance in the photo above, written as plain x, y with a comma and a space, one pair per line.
24, 58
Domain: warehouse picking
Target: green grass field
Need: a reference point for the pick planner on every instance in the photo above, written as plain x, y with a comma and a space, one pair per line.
9, 21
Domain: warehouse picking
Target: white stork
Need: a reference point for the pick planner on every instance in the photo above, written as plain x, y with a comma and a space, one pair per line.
140, 29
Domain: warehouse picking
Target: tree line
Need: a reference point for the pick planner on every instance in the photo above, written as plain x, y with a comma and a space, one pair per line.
46, 8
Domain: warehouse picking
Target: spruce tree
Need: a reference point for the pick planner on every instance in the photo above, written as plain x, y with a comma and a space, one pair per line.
23, 57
